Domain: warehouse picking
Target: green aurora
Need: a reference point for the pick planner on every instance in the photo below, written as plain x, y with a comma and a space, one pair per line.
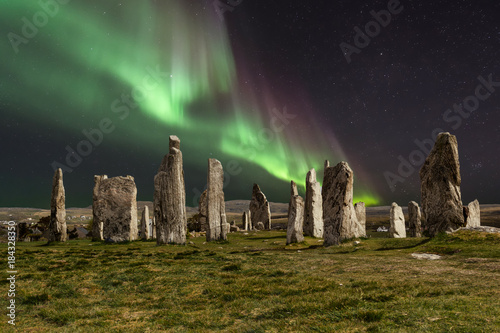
170, 65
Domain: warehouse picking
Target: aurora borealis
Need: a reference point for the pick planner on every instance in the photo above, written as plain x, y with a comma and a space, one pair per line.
263, 94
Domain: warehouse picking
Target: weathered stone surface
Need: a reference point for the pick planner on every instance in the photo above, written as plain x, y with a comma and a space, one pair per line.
295, 220
473, 218
234, 228
259, 226
313, 207
115, 208
247, 224
153, 227
414, 220
145, 224
57, 226
216, 208
293, 191
97, 224
440, 186
397, 229
170, 197
202, 211
339, 216
360, 226
259, 208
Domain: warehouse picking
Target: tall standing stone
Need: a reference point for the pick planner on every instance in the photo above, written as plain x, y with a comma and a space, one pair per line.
202, 211
295, 217
259, 208
339, 216
247, 224
216, 208
57, 226
414, 220
474, 215
145, 228
440, 186
397, 229
360, 209
115, 208
97, 223
313, 207
170, 197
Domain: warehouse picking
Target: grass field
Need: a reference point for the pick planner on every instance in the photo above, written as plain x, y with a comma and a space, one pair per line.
254, 283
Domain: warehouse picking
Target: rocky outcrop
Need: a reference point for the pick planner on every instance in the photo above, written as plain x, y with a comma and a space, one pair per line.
216, 208
360, 226
57, 227
295, 219
170, 197
115, 208
259, 208
339, 216
145, 227
313, 207
440, 186
397, 229
473, 215
414, 220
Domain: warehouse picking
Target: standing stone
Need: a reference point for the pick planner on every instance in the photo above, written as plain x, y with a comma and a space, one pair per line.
170, 197
313, 207
295, 220
57, 226
397, 229
202, 211
259, 208
440, 186
216, 208
414, 220
153, 228
247, 225
338, 211
473, 218
259, 226
360, 210
145, 224
97, 224
293, 191
115, 208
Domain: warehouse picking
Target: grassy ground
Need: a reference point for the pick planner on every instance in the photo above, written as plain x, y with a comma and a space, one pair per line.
254, 283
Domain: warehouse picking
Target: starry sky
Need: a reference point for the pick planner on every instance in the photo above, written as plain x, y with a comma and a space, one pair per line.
269, 88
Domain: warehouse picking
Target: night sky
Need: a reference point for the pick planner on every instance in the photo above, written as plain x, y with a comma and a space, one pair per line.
269, 88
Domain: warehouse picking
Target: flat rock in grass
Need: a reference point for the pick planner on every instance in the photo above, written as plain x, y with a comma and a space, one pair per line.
491, 230
427, 256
